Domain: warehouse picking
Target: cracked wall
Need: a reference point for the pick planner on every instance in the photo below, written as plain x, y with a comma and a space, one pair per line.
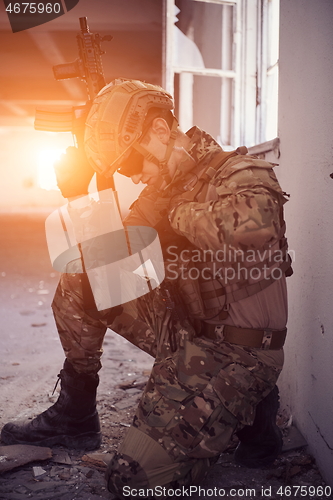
305, 130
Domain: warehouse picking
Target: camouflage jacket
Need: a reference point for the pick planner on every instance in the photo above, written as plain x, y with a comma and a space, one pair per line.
223, 240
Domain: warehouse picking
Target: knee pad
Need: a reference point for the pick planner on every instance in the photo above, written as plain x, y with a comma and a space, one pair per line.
124, 473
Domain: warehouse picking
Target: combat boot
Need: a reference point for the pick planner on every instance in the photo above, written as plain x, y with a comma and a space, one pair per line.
261, 443
72, 421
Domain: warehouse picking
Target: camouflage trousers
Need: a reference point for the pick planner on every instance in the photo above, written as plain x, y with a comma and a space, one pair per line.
200, 390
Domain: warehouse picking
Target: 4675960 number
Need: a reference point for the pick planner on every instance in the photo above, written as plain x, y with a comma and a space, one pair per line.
33, 8
302, 491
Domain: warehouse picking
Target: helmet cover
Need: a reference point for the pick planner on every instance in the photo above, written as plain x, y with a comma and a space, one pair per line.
116, 121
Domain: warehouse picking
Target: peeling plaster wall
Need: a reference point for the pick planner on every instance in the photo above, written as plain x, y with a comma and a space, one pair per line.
306, 133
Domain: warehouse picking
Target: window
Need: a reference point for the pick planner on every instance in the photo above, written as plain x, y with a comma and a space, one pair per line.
221, 64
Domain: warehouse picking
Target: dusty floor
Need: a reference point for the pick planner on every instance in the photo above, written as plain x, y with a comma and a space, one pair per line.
31, 357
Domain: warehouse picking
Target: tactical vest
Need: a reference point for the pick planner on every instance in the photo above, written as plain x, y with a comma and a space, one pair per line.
213, 280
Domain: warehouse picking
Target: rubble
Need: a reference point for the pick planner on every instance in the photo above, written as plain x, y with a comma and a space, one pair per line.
38, 472
15, 455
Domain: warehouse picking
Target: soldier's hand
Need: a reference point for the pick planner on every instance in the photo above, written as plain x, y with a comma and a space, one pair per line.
73, 173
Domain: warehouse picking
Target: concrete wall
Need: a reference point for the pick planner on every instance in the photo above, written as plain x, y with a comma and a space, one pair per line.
306, 133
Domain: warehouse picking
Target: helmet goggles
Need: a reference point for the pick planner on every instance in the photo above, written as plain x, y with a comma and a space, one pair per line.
132, 164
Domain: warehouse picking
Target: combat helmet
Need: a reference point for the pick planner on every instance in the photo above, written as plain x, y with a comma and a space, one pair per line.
118, 120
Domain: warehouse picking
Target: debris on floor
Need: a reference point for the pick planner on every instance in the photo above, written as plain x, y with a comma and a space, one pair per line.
293, 439
13, 456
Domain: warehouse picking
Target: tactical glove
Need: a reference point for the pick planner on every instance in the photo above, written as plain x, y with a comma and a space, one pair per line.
73, 173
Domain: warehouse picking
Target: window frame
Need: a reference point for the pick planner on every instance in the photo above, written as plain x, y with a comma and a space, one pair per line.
250, 71
170, 70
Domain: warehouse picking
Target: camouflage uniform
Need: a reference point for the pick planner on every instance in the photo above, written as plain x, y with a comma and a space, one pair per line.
201, 388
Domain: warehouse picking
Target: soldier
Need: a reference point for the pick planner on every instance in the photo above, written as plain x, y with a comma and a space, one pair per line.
215, 326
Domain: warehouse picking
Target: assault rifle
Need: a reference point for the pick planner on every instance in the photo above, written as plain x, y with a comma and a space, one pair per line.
88, 67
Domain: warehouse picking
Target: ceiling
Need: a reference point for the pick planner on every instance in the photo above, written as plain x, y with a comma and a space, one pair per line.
27, 57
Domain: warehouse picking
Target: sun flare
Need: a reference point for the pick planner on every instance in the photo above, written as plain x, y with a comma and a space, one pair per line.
46, 175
